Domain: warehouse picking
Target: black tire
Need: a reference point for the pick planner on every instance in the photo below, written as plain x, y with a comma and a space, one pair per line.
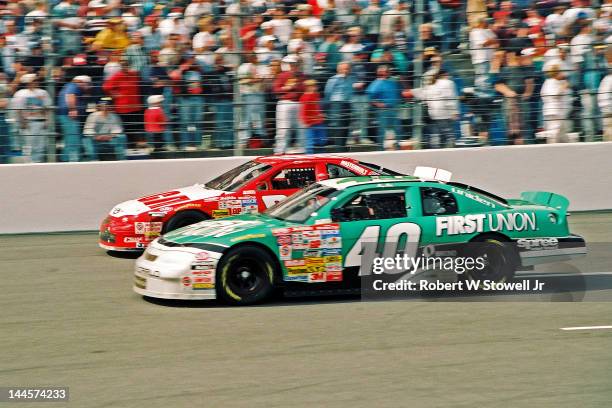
245, 275
500, 260
183, 219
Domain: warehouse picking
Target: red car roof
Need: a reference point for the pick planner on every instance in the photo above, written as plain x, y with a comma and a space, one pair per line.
302, 157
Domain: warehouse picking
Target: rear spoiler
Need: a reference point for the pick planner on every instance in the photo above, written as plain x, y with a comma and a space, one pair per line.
553, 200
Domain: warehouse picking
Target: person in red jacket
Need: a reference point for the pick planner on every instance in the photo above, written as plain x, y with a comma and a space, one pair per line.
155, 121
312, 117
124, 88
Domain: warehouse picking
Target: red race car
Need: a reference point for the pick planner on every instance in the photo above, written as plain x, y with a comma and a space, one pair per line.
250, 187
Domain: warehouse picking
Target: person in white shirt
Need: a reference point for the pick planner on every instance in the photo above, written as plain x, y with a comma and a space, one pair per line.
482, 45
307, 20
205, 39
193, 12
33, 105
250, 76
556, 105
283, 27
388, 18
604, 100
555, 22
443, 109
581, 44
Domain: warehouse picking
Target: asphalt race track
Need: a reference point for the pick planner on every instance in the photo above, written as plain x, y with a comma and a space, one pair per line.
69, 318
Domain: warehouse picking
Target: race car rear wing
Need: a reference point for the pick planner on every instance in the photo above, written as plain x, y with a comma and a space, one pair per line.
432, 173
553, 200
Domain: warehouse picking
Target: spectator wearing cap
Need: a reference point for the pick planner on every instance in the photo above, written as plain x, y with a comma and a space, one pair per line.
516, 83
71, 113
131, 17
33, 106
604, 100
113, 37
268, 51
385, 98
190, 101
312, 117
369, 19
125, 89
137, 56
482, 44
581, 45
250, 76
288, 87
66, 19
104, 133
220, 91
338, 96
155, 122
556, 97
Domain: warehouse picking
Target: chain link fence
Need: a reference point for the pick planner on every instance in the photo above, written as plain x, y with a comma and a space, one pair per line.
96, 80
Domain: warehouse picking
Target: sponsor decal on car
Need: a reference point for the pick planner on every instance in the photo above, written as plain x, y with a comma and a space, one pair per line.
354, 167
148, 228
199, 286
471, 223
334, 276
317, 277
534, 244
220, 213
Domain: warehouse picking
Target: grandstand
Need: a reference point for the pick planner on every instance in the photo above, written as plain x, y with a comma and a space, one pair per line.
120, 79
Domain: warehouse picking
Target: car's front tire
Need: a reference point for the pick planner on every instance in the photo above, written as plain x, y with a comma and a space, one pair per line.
245, 275
183, 219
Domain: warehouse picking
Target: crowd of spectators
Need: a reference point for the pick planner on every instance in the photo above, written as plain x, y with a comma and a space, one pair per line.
110, 79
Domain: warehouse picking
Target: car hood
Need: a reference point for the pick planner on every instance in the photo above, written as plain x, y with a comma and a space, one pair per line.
228, 231
158, 202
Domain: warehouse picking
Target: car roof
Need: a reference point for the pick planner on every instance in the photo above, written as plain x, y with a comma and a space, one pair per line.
344, 182
298, 158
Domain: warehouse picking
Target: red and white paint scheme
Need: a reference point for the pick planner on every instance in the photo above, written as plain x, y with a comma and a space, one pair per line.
250, 187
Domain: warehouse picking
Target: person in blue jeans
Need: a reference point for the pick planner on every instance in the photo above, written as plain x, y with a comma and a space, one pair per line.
385, 98
71, 109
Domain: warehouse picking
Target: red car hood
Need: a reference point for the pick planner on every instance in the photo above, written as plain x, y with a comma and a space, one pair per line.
157, 202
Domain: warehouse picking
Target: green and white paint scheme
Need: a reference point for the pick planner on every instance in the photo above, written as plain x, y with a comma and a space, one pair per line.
316, 235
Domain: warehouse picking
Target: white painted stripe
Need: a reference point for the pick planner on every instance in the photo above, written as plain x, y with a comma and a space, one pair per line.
559, 275
586, 328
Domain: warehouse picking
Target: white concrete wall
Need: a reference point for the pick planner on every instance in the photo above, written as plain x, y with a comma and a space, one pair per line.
76, 196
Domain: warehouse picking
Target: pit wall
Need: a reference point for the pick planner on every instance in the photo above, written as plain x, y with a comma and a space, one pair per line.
58, 197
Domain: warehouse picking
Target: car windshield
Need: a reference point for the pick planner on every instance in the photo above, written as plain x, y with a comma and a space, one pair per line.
239, 176
379, 169
301, 205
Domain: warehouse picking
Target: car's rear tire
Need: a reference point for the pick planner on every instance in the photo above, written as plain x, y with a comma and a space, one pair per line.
500, 260
183, 219
245, 275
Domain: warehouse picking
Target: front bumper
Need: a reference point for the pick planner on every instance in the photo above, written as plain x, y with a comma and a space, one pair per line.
130, 235
534, 252
184, 273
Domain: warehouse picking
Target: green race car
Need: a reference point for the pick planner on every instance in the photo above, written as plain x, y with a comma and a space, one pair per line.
328, 236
